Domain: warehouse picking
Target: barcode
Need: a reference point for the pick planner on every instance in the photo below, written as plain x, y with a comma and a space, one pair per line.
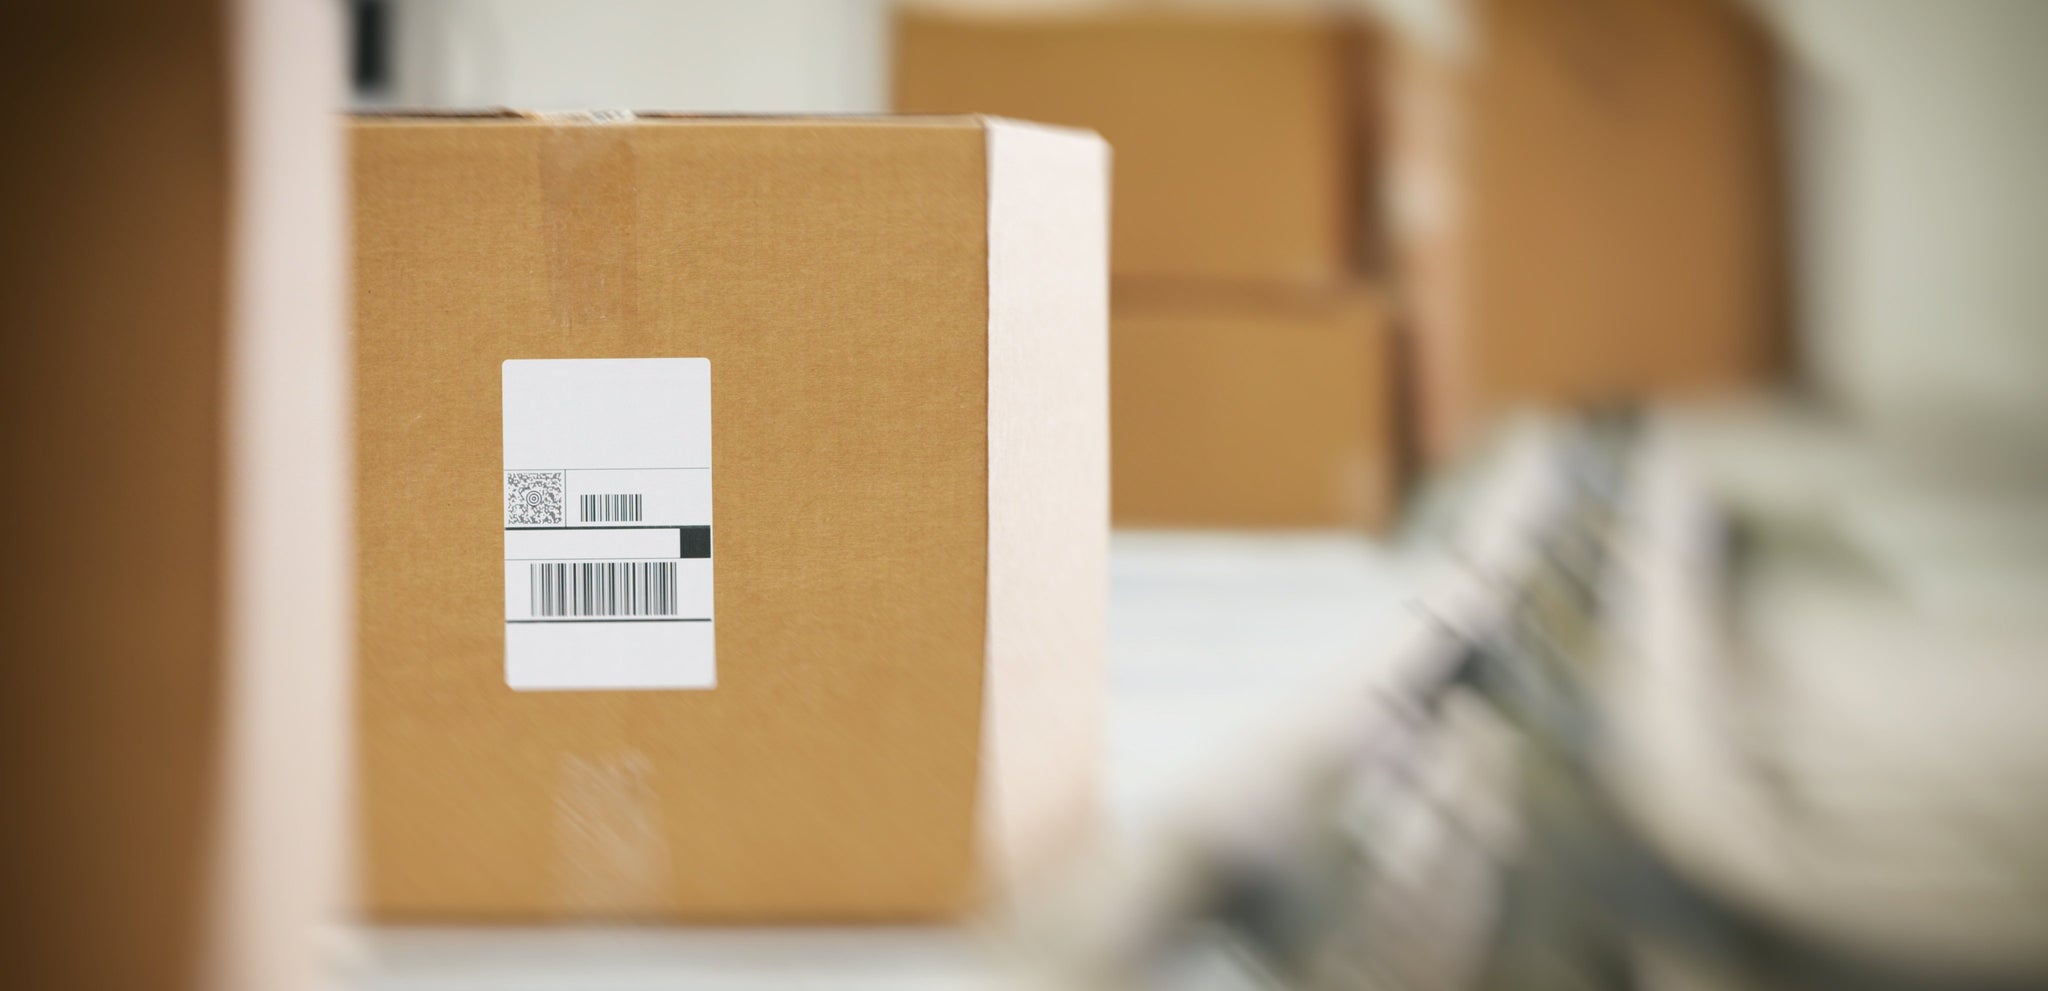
611, 508
603, 588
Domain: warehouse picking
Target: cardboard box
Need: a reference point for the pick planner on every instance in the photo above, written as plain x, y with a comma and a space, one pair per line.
1588, 208
904, 323
176, 424
1251, 411
1242, 135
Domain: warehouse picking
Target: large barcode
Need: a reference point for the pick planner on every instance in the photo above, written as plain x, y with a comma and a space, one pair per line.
603, 588
610, 508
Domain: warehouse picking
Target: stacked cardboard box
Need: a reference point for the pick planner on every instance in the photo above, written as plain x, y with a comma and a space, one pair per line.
1250, 366
873, 687
1586, 206
1250, 410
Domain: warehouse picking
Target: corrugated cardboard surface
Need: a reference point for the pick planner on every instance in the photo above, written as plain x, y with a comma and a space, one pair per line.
1235, 411
836, 274
1239, 133
1614, 228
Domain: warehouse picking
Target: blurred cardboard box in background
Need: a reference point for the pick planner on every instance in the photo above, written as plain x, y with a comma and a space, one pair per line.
1265, 411
1242, 135
1250, 377
1586, 199
904, 322
174, 381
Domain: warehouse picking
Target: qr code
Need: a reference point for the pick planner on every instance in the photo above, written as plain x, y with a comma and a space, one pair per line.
534, 498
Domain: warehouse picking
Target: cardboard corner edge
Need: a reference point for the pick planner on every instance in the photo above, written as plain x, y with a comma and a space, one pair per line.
1048, 485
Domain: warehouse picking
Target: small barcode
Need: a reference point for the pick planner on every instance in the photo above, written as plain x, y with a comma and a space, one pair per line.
603, 588
610, 508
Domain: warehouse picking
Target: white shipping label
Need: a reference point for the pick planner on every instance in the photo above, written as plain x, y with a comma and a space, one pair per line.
608, 524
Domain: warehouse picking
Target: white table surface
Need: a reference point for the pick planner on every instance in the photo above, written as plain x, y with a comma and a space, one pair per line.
1212, 639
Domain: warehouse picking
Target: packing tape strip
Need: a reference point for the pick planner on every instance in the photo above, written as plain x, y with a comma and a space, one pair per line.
589, 182
611, 852
612, 858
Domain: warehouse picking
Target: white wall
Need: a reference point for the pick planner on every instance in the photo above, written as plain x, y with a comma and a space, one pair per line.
1921, 156
721, 56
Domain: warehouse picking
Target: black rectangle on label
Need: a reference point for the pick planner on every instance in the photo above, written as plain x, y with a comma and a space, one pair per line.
696, 541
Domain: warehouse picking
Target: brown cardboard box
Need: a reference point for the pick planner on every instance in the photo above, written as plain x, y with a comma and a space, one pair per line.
1587, 206
1240, 133
1251, 411
175, 422
905, 325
